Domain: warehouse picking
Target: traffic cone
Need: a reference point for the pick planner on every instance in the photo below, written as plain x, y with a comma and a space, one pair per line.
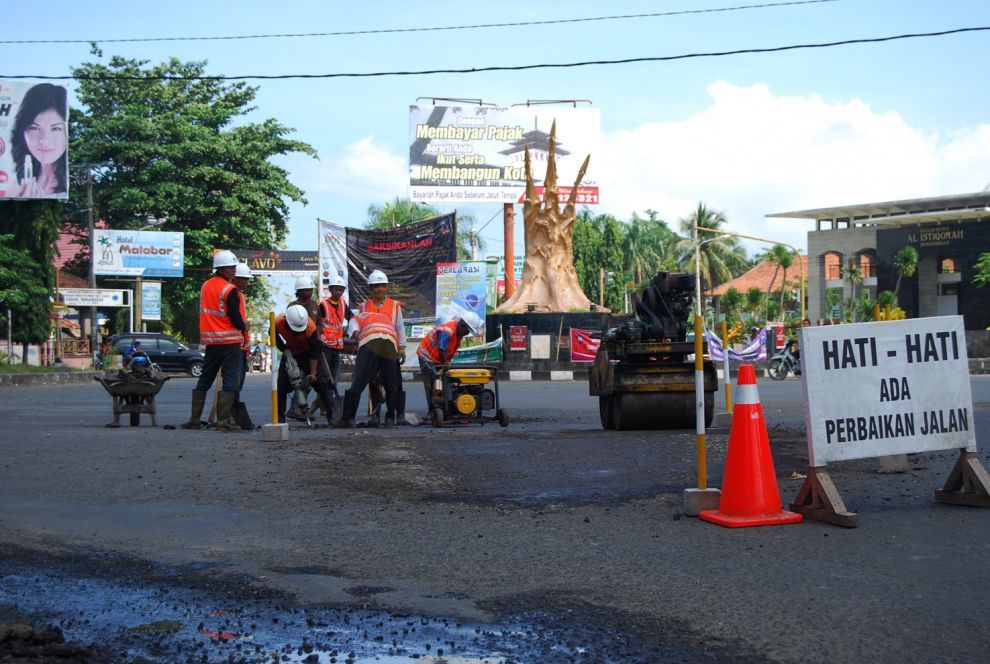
750, 496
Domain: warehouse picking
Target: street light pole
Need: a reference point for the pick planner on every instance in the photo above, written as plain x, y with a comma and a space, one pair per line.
93, 328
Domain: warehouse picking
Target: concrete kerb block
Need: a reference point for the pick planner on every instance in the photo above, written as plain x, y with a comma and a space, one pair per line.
698, 500
520, 375
274, 433
561, 375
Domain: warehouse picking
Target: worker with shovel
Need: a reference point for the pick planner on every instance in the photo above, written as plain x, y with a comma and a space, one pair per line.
298, 339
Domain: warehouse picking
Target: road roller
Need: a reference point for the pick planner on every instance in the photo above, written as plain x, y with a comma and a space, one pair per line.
461, 394
643, 374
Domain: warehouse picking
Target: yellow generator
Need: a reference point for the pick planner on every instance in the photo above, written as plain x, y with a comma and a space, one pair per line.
462, 394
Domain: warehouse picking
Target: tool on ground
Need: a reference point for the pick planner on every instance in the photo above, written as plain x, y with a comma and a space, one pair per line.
643, 375
750, 495
461, 394
297, 382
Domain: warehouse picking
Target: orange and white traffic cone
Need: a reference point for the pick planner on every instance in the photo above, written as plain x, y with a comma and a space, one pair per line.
750, 496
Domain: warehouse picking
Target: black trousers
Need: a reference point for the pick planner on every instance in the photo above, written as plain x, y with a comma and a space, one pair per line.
224, 359
427, 372
376, 356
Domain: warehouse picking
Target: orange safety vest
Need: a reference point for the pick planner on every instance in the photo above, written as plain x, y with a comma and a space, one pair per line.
296, 343
376, 325
246, 341
429, 347
333, 323
390, 308
215, 327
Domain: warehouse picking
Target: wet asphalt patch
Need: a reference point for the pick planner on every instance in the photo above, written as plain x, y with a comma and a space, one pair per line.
128, 614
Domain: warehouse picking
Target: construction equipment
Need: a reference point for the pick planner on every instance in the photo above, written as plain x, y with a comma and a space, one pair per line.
133, 390
461, 395
642, 374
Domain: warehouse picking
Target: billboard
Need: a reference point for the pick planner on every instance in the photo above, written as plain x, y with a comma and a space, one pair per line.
279, 260
138, 253
462, 293
34, 144
151, 300
474, 154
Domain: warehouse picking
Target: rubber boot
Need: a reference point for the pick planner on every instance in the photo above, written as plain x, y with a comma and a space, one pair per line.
224, 405
390, 409
346, 420
198, 401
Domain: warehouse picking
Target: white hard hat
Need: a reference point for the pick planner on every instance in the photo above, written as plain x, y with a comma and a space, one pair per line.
473, 321
243, 270
304, 283
296, 316
377, 277
335, 280
224, 258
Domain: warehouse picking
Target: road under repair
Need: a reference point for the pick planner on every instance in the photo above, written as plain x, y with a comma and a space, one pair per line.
551, 540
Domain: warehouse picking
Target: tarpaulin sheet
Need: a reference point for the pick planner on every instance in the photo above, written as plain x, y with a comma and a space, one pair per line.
583, 345
755, 351
408, 255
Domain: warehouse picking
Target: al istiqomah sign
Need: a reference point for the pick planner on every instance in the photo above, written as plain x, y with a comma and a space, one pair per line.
138, 253
475, 154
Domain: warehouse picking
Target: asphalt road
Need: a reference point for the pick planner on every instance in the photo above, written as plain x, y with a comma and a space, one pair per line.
551, 522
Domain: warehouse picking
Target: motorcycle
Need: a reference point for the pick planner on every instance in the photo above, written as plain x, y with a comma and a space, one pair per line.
784, 363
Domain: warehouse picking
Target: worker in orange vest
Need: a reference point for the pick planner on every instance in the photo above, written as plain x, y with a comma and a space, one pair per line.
242, 275
438, 348
296, 334
381, 348
336, 316
221, 330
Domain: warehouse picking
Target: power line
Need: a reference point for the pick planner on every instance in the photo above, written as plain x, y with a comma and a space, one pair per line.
424, 29
479, 70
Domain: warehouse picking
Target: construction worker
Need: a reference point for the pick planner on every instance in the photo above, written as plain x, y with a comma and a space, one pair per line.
221, 330
242, 275
297, 337
335, 315
438, 348
381, 349
304, 297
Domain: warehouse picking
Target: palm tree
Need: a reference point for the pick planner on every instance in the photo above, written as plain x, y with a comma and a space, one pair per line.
782, 258
645, 245
403, 211
731, 301
718, 256
854, 275
905, 264
754, 302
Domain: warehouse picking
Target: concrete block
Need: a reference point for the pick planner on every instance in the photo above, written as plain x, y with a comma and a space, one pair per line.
561, 375
721, 421
895, 463
698, 500
520, 375
274, 433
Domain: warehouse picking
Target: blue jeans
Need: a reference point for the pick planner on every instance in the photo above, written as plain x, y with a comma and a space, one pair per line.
224, 359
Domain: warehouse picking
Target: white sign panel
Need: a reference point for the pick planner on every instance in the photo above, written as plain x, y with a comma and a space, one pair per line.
475, 154
894, 387
34, 140
151, 300
139, 253
333, 256
93, 297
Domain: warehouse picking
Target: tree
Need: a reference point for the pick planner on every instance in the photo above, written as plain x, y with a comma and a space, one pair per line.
731, 301
754, 303
718, 255
646, 246
982, 271
782, 258
25, 292
597, 245
853, 274
905, 264
402, 211
162, 140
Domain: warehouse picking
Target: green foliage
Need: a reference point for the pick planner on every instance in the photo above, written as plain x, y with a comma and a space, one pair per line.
981, 269
782, 259
24, 290
754, 302
731, 302
905, 264
597, 245
720, 256
646, 247
182, 150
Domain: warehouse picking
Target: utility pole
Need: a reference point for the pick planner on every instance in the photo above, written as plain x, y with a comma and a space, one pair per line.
94, 328
509, 217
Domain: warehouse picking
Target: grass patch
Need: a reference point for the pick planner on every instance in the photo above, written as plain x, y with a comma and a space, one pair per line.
24, 369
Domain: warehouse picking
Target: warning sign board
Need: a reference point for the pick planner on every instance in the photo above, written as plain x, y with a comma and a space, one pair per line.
893, 387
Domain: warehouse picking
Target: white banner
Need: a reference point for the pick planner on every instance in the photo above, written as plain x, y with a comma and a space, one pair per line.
93, 297
139, 253
893, 387
151, 300
333, 256
34, 140
474, 154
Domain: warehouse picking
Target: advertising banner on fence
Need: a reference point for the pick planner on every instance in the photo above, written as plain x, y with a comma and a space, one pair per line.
138, 253
151, 300
93, 297
34, 140
892, 387
583, 345
333, 256
474, 154
461, 293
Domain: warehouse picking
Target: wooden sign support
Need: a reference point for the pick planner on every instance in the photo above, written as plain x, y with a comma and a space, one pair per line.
819, 499
968, 483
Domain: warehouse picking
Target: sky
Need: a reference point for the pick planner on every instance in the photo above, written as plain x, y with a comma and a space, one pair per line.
749, 134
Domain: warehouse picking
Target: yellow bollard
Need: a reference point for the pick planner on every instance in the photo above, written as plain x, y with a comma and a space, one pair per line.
699, 379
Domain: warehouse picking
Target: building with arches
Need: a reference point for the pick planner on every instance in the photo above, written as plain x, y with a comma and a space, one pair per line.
948, 232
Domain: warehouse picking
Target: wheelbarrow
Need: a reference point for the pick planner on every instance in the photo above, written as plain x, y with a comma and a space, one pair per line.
133, 392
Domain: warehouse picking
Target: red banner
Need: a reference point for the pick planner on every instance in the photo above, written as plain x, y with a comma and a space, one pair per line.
583, 346
517, 337
585, 195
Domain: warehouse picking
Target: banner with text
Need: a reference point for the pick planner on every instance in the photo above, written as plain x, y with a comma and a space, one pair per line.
332, 243
892, 387
138, 253
461, 293
34, 145
151, 300
475, 154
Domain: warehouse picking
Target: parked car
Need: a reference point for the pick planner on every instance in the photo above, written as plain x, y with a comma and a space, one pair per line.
162, 350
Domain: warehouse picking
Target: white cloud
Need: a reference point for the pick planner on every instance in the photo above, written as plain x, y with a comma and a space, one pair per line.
751, 153
365, 170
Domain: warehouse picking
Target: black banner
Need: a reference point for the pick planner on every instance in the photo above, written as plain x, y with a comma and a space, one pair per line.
408, 255
278, 260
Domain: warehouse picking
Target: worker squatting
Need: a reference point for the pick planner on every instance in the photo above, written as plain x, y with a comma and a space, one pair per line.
897, 425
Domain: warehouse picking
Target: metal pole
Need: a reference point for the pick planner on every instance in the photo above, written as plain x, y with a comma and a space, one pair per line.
130, 302
727, 376
138, 284
508, 221
699, 397
697, 269
10, 338
94, 329
273, 350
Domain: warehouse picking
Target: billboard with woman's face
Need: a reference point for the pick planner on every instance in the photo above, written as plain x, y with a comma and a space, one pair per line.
34, 140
